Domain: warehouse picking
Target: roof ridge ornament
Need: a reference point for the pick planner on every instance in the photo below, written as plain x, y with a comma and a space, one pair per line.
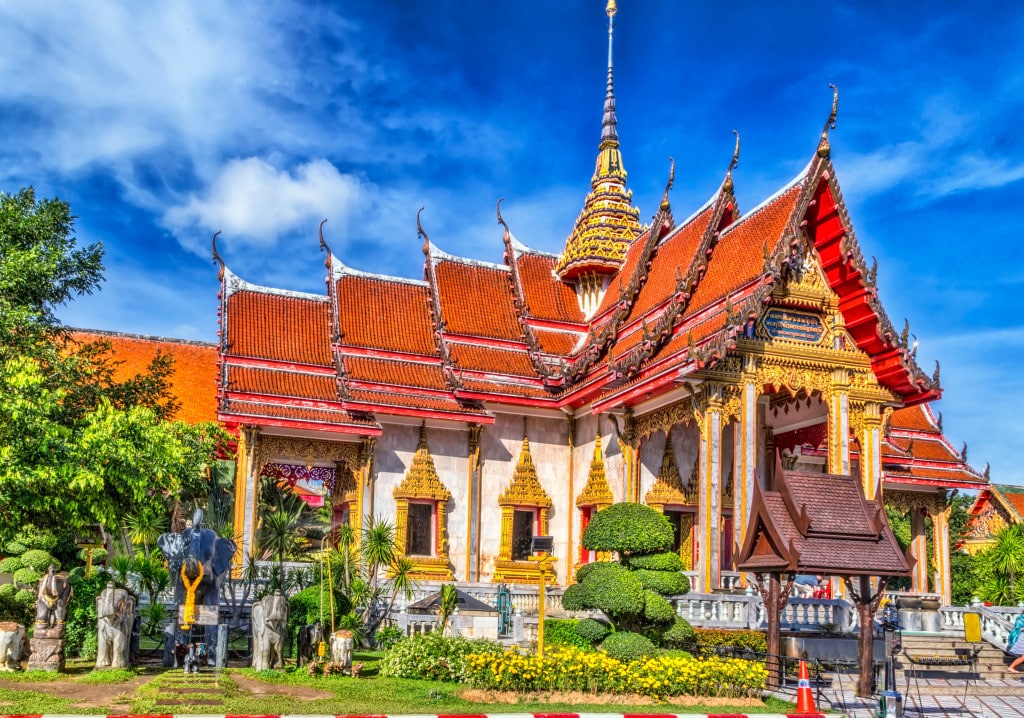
824, 149
728, 185
609, 122
665, 206
324, 247
501, 220
217, 259
421, 233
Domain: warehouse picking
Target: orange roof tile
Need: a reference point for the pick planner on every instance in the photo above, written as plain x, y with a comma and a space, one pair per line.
546, 295
912, 417
624, 274
503, 388
321, 415
277, 326
193, 382
397, 399
738, 257
675, 253
282, 383
378, 313
556, 342
1016, 500
476, 300
490, 359
396, 372
932, 450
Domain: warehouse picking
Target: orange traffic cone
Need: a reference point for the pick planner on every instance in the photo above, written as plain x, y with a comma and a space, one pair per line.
804, 697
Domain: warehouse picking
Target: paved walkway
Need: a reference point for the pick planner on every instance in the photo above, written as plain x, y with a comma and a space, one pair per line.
983, 699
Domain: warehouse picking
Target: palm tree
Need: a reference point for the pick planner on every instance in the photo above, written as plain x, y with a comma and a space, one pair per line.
449, 602
378, 548
145, 527
1004, 561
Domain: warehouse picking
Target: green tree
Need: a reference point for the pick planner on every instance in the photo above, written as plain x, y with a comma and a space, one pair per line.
1002, 567
631, 591
76, 446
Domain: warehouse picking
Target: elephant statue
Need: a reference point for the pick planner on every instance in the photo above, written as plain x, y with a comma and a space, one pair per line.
115, 616
200, 556
341, 649
52, 605
269, 631
309, 641
12, 643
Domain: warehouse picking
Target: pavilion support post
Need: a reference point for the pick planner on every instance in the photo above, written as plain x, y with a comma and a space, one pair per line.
629, 445
918, 551
246, 496
709, 569
867, 604
472, 525
869, 436
943, 571
839, 424
745, 455
774, 596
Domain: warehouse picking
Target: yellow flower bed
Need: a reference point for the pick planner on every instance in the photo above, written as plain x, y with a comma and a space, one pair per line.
567, 668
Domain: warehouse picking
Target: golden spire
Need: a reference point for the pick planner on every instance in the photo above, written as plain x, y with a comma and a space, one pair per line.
609, 221
668, 488
525, 488
421, 480
596, 492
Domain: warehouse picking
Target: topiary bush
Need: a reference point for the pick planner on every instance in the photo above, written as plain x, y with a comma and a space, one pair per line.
562, 632
626, 646
15, 608
681, 633
608, 587
26, 597
434, 657
11, 564
667, 583
40, 560
657, 610
711, 640
628, 529
26, 577
99, 555
387, 636
8, 589
663, 561
592, 630
15, 548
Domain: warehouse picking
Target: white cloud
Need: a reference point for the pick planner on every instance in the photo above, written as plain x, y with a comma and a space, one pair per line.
255, 203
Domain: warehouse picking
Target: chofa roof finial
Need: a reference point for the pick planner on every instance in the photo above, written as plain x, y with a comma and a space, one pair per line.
668, 185
324, 247
728, 184
824, 149
421, 233
217, 259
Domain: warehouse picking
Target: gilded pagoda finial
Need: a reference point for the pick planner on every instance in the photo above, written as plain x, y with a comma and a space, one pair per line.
611, 8
728, 184
216, 256
824, 149
668, 185
421, 233
423, 437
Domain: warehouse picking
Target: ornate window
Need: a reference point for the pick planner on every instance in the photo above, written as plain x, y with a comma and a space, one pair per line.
420, 525
524, 514
595, 496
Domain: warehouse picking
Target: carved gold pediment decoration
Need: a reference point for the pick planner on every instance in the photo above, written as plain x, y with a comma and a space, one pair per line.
906, 501
305, 451
664, 418
596, 493
806, 288
525, 488
668, 487
421, 480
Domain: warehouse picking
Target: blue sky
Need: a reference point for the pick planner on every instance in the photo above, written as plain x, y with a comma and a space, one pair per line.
259, 119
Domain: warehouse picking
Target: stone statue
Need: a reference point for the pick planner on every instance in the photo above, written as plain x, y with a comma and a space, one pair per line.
12, 642
196, 555
269, 631
52, 604
46, 649
341, 649
115, 615
309, 642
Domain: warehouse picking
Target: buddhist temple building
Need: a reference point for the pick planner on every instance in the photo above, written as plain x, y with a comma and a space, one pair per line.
996, 507
484, 403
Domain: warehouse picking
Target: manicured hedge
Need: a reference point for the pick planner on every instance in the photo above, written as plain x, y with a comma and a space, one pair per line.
563, 632
610, 587
628, 529
667, 583
626, 646
680, 633
664, 561
714, 637
593, 631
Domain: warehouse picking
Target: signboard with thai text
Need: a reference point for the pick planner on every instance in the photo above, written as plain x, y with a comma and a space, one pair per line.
795, 326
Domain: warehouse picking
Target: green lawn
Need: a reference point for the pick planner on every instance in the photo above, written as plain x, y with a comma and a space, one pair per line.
292, 691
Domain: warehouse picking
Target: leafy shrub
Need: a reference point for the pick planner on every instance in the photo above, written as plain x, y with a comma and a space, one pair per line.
39, 560
681, 633
567, 668
90, 645
304, 609
433, 657
16, 609
674, 653
99, 555
626, 646
15, 548
34, 538
562, 632
26, 597
667, 583
665, 561
388, 636
628, 529
11, 564
591, 630
710, 639
8, 589
608, 587
27, 576
657, 610
81, 619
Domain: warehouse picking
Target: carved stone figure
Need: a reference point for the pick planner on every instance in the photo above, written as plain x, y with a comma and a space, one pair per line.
12, 641
115, 614
202, 558
309, 640
269, 631
341, 649
52, 604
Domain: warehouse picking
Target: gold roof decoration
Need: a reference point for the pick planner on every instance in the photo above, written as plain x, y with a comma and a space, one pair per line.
421, 480
608, 221
525, 488
596, 492
668, 488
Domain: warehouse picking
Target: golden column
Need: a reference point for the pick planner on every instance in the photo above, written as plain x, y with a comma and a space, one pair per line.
475, 432
629, 445
839, 423
918, 549
745, 451
364, 479
709, 504
570, 422
940, 536
867, 422
246, 495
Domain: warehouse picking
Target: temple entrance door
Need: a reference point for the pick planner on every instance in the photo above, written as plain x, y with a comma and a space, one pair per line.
683, 530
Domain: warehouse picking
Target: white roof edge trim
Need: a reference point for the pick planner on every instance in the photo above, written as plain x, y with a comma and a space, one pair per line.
233, 284
339, 269
438, 255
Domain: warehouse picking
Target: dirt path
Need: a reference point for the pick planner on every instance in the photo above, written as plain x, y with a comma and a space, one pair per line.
115, 698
